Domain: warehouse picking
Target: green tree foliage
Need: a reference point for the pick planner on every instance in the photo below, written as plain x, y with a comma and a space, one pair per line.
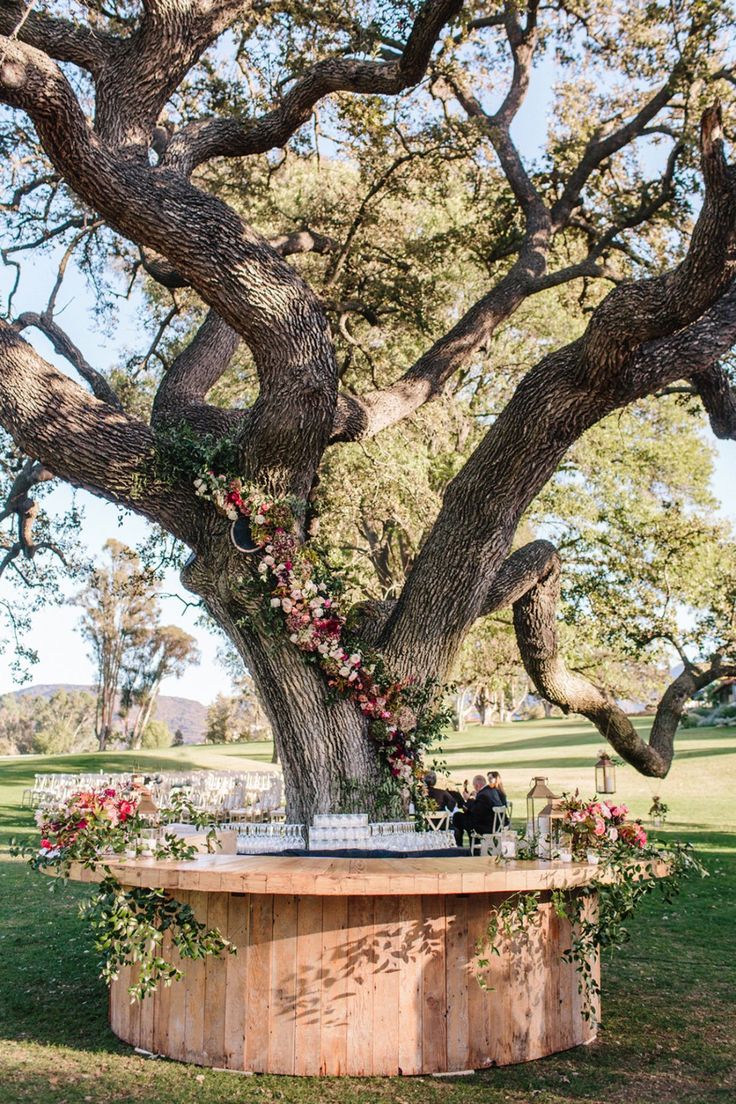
34, 725
156, 734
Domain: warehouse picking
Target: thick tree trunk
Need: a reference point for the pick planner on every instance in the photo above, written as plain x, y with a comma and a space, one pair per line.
323, 744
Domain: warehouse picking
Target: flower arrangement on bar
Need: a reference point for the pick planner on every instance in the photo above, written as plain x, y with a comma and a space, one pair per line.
95, 827
594, 826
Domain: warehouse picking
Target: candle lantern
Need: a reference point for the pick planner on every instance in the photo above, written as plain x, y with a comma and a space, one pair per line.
551, 820
605, 774
539, 796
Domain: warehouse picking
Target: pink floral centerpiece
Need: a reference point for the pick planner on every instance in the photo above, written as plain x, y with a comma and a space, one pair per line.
596, 825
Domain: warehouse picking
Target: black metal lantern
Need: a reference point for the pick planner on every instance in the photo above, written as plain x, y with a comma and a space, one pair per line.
605, 774
539, 796
241, 535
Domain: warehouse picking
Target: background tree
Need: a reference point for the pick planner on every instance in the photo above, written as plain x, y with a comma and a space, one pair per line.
116, 622
166, 651
35, 725
133, 151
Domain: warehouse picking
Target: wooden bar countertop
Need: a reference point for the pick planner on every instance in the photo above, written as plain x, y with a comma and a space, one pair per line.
352, 877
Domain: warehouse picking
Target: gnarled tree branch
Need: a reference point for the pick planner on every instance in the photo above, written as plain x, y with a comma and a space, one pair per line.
195, 371
535, 622
209, 138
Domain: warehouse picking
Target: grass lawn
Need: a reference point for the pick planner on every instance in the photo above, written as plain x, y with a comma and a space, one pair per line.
669, 1030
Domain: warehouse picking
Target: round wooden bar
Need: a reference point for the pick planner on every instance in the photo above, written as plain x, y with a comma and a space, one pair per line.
361, 967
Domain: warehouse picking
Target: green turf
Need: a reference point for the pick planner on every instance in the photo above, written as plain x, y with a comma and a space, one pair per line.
669, 1031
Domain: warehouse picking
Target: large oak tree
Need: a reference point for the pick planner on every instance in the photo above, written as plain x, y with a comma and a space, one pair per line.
134, 110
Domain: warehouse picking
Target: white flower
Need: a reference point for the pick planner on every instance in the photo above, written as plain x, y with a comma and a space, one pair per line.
317, 612
323, 649
355, 659
287, 605
344, 671
280, 567
275, 602
262, 567
259, 519
232, 513
352, 676
294, 638
269, 560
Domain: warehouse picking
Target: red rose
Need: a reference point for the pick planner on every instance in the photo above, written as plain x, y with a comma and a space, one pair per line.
47, 845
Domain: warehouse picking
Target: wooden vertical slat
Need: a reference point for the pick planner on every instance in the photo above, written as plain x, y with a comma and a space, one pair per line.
334, 984
386, 979
434, 1022
456, 982
259, 982
236, 982
195, 990
215, 985
134, 1013
360, 956
283, 985
480, 1001
120, 1005
173, 1036
309, 975
536, 946
146, 1021
411, 997
162, 1005
498, 978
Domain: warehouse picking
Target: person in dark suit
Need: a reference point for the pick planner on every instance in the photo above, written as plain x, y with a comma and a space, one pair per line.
442, 798
480, 816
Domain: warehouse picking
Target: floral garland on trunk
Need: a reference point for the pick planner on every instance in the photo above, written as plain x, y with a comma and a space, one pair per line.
304, 592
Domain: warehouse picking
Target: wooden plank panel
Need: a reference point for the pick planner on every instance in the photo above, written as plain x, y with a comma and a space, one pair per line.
162, 1005
172, 1035
120, 1004
334, 987
456, 982
236, 982
133, 1034
259, 982
215, 985
567, 988
283, 985
480, 1001
411, 997
360, 957
195, 991
434, 1021
551, 1006
498, 978
309, 973
146, 1021
386, 979
536, 981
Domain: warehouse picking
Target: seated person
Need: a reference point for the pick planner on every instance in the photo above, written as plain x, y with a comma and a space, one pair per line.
480, 816
442, 798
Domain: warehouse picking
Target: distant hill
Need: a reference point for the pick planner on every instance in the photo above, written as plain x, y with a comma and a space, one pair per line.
184, 713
